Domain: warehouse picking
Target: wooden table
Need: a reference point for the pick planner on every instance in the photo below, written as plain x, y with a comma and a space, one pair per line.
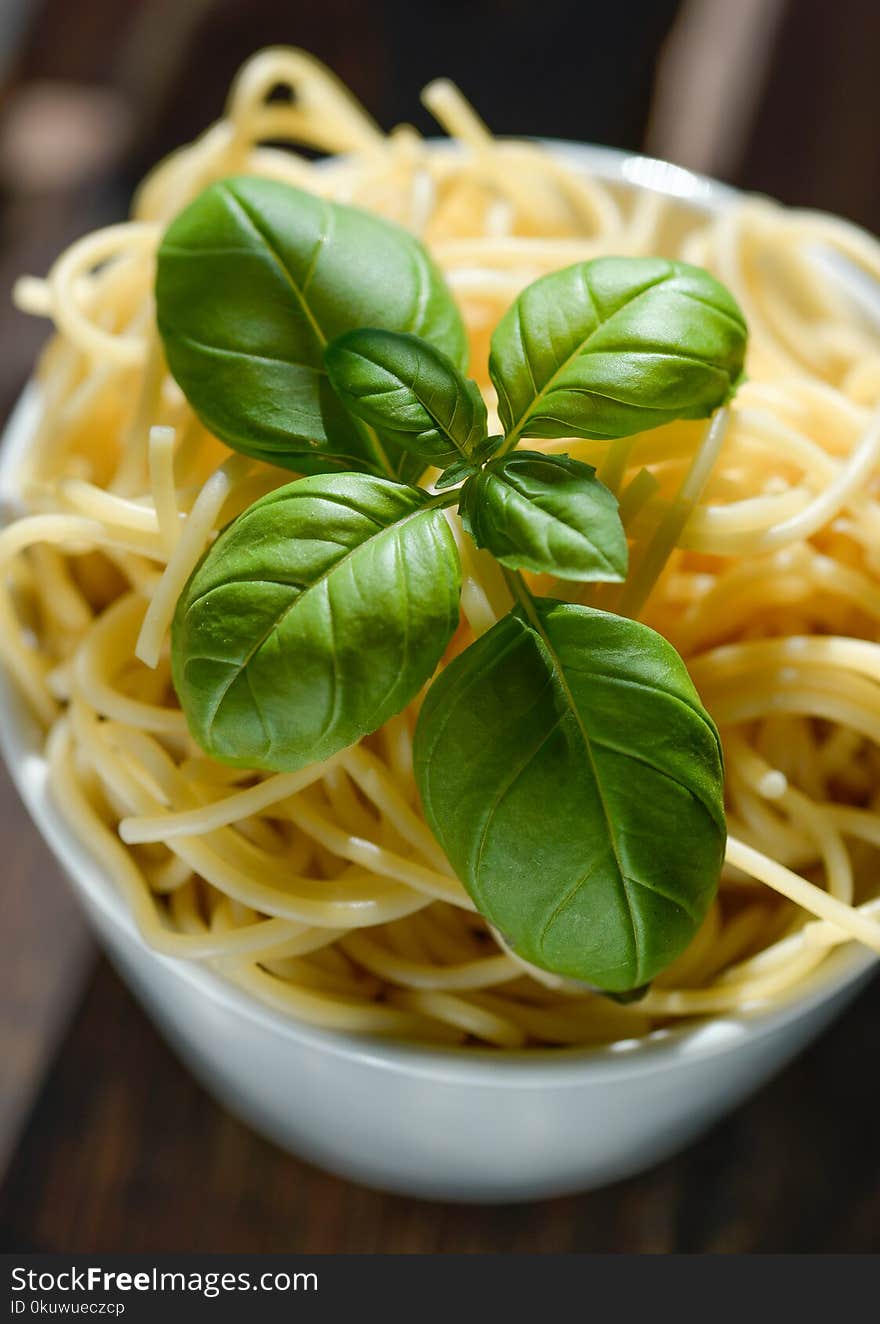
122, 1150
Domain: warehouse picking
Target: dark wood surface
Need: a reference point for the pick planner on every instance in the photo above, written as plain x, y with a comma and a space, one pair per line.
45, 955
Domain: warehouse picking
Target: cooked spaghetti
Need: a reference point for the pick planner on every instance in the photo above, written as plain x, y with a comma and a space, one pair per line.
755, 549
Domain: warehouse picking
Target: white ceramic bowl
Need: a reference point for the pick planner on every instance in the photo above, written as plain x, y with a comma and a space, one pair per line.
439, 1123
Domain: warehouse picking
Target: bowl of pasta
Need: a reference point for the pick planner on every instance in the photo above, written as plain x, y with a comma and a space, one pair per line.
441, 586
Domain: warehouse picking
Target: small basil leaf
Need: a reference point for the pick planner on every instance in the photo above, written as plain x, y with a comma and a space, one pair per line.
462, 469
253, 279
409, 391
546, 513
574, 780
487, 448
615, 346
314, 617
456, 473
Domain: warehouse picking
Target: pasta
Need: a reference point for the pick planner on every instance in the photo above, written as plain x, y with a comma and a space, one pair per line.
755, 549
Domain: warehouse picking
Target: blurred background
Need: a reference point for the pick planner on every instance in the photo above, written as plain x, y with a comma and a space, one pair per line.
106, 1144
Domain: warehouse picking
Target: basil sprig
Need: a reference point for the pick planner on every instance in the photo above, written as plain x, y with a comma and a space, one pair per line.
564, 760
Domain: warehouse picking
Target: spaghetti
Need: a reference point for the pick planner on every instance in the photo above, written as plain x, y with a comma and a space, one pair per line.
755, 549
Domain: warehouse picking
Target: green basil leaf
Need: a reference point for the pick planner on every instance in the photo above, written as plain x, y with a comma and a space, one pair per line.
456, 473
615, 346
410, 392
254, 278
574, 780
313, 618
546, 513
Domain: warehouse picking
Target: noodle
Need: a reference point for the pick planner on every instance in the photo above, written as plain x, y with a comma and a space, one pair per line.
755, 551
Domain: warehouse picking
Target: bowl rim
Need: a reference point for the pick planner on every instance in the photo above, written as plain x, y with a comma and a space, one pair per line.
21, 744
